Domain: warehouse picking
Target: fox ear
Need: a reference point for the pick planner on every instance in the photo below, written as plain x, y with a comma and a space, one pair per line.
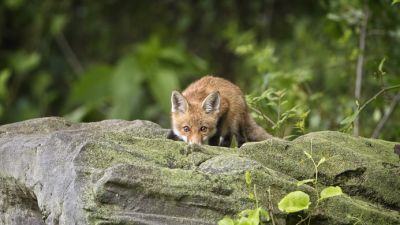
212, 102
179, 102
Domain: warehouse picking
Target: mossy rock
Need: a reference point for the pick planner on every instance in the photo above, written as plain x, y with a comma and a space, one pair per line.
126, 172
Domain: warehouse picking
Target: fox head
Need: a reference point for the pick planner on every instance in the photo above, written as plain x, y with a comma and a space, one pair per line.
195, 122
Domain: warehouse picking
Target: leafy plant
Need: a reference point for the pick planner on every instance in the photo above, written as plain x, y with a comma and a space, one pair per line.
294, 202
256, 216
298, 201
271, 107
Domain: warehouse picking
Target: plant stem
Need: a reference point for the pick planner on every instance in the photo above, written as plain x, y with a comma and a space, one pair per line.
315, 180
279, 108
377, 94
303, 219
255, 195
315, 165
270, 208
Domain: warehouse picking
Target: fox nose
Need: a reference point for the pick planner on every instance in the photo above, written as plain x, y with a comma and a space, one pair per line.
195, 141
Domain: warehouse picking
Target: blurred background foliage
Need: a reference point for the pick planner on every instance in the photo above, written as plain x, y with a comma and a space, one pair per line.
296, 60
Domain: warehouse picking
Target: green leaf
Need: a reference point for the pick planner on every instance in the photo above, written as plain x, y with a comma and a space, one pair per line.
244, 221
380, 67
395, 1
244, 49
226, 221
58, 23
254, 216
162, 83
173, 54
294, 202
322, 160
330, 192
264, 214
23, 62
248, 177
245, 212
126, 88
251, 196
299, 183
334, 17
92, 88
88, 93
350, 119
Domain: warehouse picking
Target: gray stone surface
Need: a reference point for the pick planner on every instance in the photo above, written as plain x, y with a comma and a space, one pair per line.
55, 172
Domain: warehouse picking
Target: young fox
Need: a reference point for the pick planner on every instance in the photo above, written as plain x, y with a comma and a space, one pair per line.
209, 109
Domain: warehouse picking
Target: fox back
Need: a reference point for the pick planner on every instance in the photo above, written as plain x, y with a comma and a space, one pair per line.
212, 109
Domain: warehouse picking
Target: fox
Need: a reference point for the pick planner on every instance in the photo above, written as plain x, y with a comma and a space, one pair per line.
212, 111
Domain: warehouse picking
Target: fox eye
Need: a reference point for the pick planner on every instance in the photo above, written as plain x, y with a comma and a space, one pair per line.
186, 129
203, 129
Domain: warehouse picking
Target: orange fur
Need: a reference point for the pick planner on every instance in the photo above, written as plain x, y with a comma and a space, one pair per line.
211, 108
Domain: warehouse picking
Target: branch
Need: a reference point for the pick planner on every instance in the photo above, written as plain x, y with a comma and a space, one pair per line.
69, 54
385, 118
377, 94
360, 63
265, 117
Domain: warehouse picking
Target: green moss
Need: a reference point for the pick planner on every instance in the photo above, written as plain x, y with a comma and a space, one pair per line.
344, 210
102, 156
174, 178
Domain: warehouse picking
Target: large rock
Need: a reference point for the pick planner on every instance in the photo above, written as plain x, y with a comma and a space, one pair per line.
119, 172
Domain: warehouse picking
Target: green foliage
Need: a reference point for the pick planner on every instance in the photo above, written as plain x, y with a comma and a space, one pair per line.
299, 183
256, 216
294, 202
58, 24
271, 107
306, 57
90, 92
23, 62
247, 217
248, 184
298, 201
226, 221
329, 192
148, 72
